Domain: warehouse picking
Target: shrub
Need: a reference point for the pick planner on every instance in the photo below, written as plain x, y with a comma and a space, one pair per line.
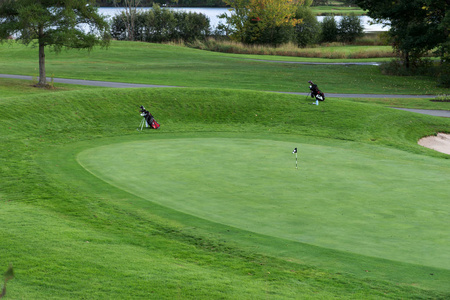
163, 25
417, 67
330, 30
159, 25
444, 75
350, 28
274, 36
191, 26
307, 32
118, 27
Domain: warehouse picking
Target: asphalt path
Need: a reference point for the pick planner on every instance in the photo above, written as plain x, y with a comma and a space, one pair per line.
431, 112
89, 82
109, 84
137, 85
363, 95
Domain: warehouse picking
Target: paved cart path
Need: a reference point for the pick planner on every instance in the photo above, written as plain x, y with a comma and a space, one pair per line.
440, 113
89, 82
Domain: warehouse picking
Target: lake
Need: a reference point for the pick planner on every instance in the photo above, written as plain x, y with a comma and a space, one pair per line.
212, 14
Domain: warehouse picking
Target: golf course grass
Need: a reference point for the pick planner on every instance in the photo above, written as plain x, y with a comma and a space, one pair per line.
211, 205
181, 66
345, 196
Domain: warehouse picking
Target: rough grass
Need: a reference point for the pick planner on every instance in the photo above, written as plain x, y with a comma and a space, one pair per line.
329, 51
337, 10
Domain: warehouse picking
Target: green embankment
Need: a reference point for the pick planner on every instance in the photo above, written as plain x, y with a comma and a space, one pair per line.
70, 234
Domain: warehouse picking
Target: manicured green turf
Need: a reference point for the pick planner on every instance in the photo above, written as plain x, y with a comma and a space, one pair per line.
337, 10
345, 195
70, 234
181, 66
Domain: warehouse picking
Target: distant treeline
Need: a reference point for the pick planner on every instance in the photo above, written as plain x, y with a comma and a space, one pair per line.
202, 3
170, 3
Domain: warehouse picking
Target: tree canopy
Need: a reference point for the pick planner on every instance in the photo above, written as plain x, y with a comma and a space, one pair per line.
53, 23
262, 21
417, 26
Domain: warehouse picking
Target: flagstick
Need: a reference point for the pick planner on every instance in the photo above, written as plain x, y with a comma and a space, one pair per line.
295, 151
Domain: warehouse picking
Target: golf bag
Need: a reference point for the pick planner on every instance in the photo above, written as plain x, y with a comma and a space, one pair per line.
154, 124
315, 92
149, 119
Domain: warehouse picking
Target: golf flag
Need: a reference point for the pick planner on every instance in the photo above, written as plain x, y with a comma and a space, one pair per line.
296, 163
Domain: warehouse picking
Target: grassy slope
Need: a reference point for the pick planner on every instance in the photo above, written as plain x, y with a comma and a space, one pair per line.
171, 65
75, 238
337, 10
45, 216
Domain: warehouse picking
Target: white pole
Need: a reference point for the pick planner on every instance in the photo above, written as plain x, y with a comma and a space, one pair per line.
295, 151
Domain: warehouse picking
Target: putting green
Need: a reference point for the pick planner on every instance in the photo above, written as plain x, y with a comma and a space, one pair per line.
347, 196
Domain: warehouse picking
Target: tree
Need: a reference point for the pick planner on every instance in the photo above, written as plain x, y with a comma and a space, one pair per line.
274, 20
159, 25
262, 21
350, 28
330, 30
129, 15
308, 31
238, 20
54, 23
417, 26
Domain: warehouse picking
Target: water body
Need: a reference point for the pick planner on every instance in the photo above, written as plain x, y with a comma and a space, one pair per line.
213, 13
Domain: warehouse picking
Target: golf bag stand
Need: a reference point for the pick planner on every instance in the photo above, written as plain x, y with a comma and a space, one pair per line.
143, 122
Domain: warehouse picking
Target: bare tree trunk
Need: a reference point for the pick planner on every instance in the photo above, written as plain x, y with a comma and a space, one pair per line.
42, 75
407, 60
130, 16
132, 13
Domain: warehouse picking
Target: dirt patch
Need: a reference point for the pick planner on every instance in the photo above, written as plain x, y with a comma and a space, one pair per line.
440, 142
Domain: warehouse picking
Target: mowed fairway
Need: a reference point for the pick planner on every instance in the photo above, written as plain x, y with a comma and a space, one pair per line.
348, 196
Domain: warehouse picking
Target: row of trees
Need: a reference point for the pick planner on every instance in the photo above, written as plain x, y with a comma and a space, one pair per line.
347, 30
417, 26
279, 21
160, 25
150, 3
198, 3
271, 22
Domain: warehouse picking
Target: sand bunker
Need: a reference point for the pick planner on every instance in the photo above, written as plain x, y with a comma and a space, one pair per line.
440, 143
